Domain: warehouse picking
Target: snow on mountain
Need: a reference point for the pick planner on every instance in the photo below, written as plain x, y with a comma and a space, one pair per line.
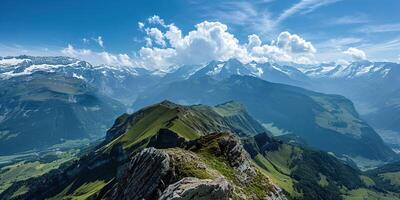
27, 65
357, 69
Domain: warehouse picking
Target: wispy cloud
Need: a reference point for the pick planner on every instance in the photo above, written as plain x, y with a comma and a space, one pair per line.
339, 43
255, 16
99, 41
380, 28
351, 19
304, 7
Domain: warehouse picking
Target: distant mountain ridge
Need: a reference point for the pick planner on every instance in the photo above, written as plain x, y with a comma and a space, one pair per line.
326, 122
46, 109
370, 85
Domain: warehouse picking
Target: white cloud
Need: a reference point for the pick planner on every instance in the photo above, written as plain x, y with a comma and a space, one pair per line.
304, 7
156, 35
155, 19
99, 41
85, 40
294, 43
380, 28
352, 19
208, 41
355, 53
254, 41
97, 57
249, 14
212, 41
141, 25
72, 52
117, 60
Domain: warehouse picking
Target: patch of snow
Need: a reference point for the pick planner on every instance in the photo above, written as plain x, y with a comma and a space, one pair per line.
216, 69
12, 61
364, 70
281, 70
78, 76
35, 68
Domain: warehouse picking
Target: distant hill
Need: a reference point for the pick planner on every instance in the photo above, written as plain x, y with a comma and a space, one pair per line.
45, 109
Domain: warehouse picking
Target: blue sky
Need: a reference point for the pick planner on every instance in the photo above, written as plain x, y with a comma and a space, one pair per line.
108, 32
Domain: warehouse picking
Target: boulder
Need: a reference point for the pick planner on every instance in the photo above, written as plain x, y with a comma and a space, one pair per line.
200, 189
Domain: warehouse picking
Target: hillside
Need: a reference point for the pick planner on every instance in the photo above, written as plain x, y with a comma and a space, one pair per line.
325, 122
187, 133
44, 109
149, 148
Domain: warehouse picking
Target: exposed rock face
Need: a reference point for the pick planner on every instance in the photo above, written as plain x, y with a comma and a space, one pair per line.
143, 177
237, 157
151, 171
166, 138
276, 195
200, 189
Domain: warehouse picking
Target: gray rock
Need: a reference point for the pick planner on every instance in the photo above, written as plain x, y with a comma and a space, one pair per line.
199, 189
276, 195
143, 176
237, 157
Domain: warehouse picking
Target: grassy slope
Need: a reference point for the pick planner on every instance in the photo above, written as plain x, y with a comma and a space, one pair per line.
288, 109
259, 187
24, 170
305, 173
188, 122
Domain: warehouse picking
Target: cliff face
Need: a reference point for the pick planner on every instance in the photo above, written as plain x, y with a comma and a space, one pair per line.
190, 173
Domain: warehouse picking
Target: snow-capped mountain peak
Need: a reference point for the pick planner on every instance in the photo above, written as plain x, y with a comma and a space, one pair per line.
358, 69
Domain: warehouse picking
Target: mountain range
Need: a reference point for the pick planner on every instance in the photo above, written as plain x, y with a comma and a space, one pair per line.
325, 122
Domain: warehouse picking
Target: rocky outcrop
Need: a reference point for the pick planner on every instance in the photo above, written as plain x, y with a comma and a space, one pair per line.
200, 189
238, 158
166, 138
143, 176
277, 194
149, 173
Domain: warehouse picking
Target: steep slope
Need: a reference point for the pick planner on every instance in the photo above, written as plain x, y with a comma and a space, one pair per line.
309, 174
45, 109
386, 178
326, 122
189, 122
305, 173
217, 160
372, 86
212, 166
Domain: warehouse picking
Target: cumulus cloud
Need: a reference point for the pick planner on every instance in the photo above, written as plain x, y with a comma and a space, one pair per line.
254, 41
156, 35
155, 19
355, 53
208, 41
294, 43
72, 52
213, 41
167, 46
97, 57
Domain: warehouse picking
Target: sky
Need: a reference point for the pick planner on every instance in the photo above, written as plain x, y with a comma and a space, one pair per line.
163, 33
